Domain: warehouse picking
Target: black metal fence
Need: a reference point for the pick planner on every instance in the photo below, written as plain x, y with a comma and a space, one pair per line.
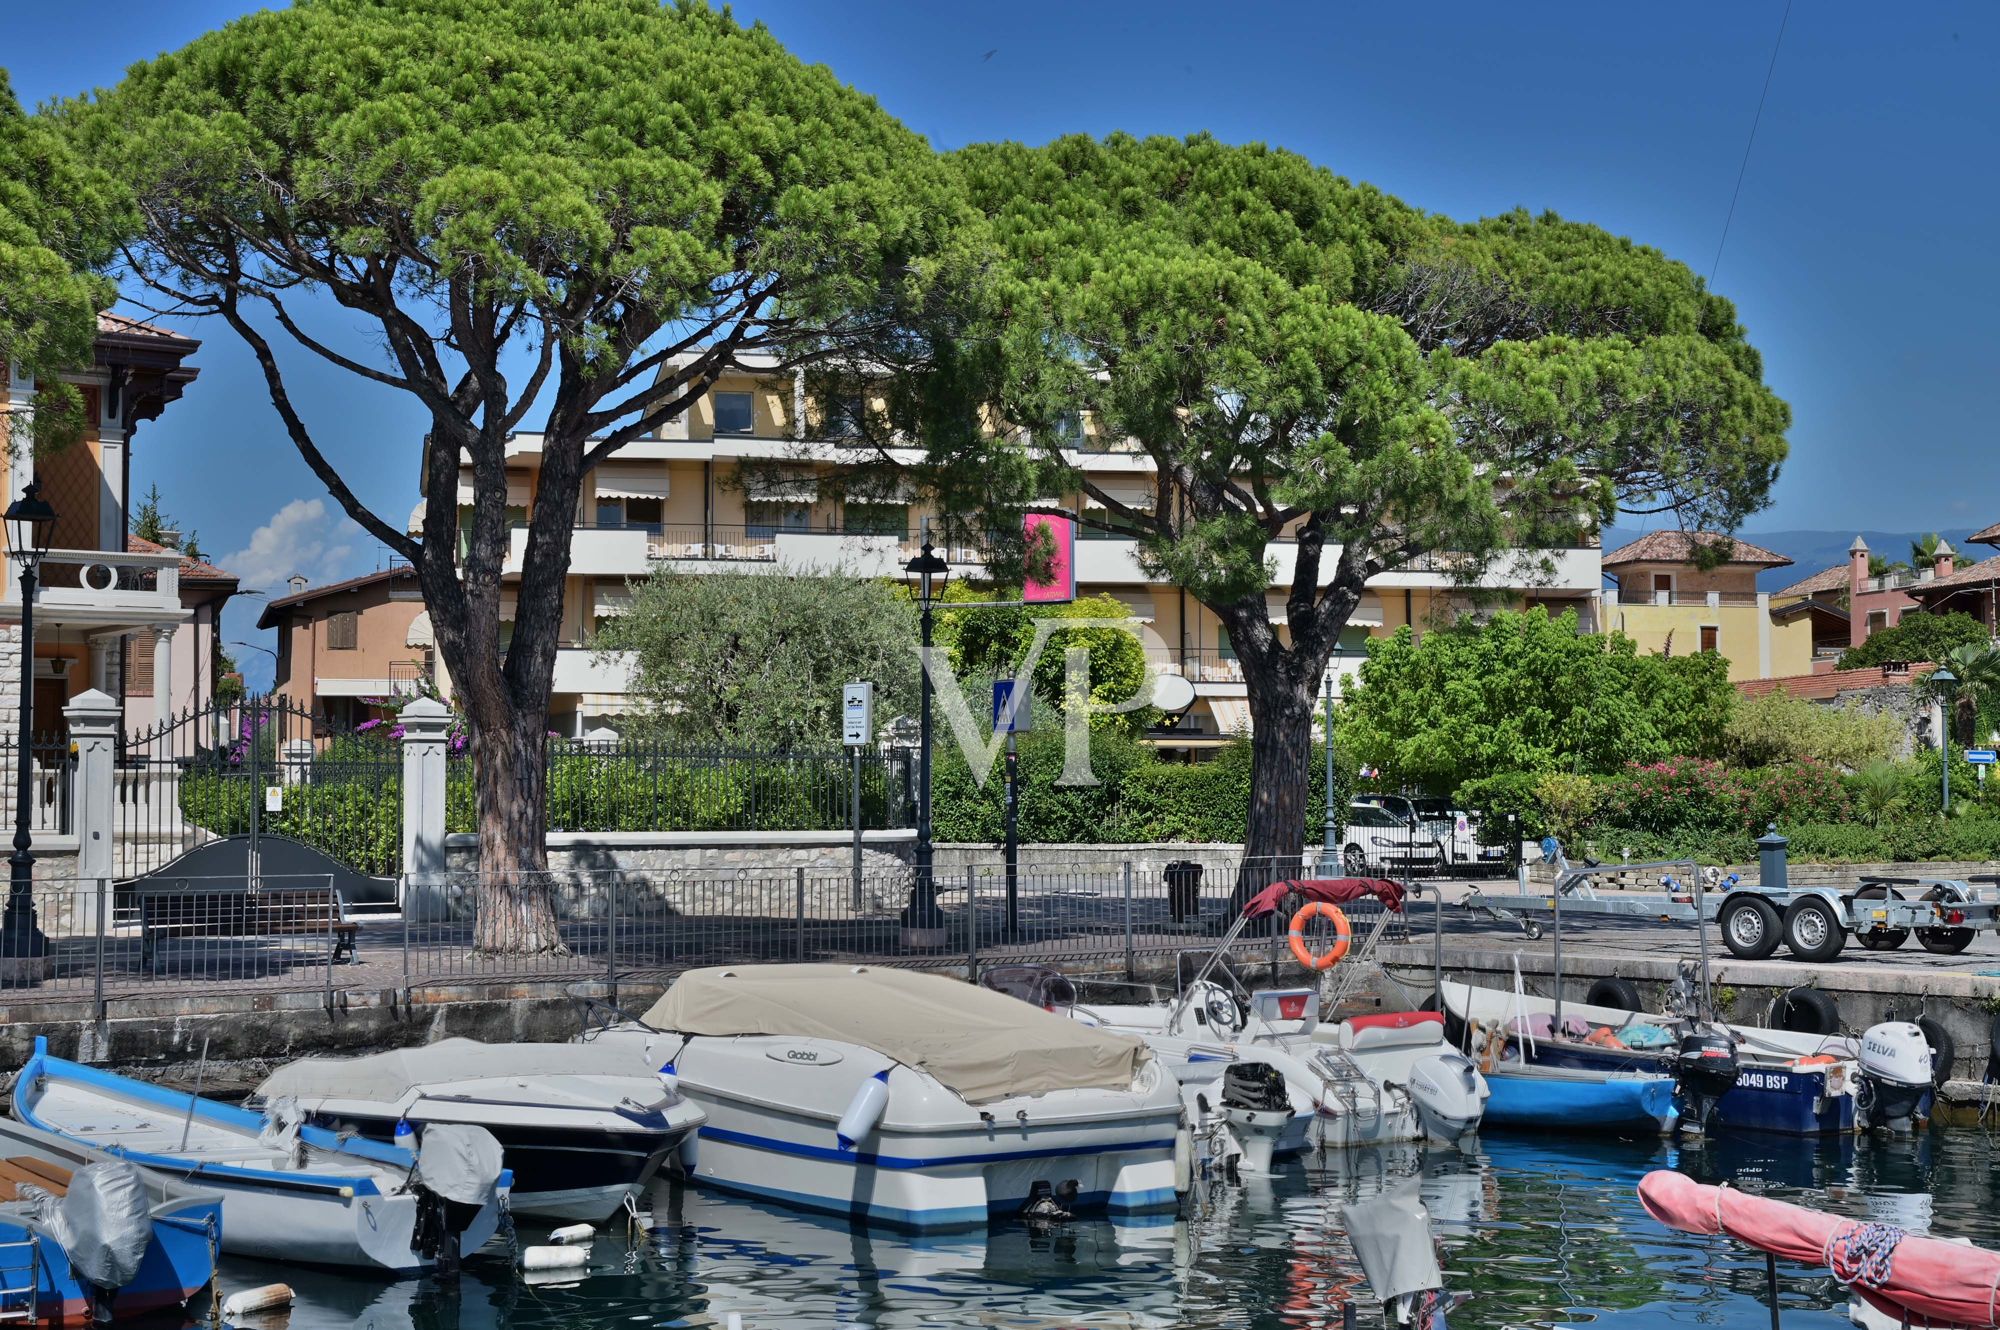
51, 782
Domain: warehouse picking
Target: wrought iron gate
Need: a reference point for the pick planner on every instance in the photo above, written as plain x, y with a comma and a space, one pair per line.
265, 772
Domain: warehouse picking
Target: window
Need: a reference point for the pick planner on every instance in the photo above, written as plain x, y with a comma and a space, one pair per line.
761, 521
647, 515
1711, 637
878, 519
1663, 582
611, 513
845, 417
341, 630
734, 413
1877, 621
1223, 649
1068, 430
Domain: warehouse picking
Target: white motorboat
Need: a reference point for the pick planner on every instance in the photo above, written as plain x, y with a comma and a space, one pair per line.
908, 1098
290, 1191
582, 1127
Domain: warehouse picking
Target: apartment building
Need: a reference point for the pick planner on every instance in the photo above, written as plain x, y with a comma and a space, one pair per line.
115, 613
1664, 600
737, 483
345, 646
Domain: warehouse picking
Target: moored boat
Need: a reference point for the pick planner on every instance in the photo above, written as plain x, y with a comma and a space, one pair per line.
582, 1127
1529, 1097
907, 1098
290, 1191
86, 1238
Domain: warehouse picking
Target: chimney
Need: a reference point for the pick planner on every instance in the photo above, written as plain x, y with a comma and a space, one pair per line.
296, 582
1857, 578
1946, 558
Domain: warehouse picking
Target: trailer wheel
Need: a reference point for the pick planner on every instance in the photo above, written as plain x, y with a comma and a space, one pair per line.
1945, 941
1749, 928
1880, 937
1813, 929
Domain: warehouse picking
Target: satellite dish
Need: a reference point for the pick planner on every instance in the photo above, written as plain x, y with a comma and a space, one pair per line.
1172, 692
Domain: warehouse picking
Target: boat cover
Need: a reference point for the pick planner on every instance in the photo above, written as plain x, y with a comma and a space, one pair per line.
1332, 890
104, 1221
387, 1077
1391, 1236
1943, 1283
460, 1162
979, 1044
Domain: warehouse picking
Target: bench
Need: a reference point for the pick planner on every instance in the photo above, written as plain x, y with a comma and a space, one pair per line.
283, 912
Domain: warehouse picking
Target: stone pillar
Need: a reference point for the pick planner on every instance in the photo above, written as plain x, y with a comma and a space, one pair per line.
111, 438
94, 721
426, 724
163, 673
295, 762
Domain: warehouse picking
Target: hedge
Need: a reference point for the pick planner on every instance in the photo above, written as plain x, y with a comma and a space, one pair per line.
1974, 838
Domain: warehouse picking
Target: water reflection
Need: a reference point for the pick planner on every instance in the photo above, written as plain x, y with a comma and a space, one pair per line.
1541, 1232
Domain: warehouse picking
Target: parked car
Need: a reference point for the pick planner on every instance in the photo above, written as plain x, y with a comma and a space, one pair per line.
1378, 841
1456, 830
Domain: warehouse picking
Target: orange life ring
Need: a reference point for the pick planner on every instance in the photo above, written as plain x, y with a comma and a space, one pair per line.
1344, 935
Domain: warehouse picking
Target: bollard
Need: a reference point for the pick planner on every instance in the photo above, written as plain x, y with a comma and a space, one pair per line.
1773, 873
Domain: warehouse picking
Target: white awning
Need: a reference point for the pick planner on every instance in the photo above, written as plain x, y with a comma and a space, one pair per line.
781, 489
1368, 614
1232, 715
517, 494
420, 634
631, 482
614, 600
1139, 498
416, 524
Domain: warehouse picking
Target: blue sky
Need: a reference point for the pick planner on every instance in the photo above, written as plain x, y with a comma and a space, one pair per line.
1860, 255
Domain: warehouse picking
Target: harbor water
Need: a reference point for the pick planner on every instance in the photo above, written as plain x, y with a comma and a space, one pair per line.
1535, 1231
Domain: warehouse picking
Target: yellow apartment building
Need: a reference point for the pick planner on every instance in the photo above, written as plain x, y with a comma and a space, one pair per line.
1665, 601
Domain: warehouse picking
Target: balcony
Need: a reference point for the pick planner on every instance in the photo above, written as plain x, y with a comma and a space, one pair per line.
603, 551
864, 553
105, 588
1713, 600
581, 669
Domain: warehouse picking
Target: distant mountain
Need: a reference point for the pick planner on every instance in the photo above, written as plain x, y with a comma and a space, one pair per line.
1811, 551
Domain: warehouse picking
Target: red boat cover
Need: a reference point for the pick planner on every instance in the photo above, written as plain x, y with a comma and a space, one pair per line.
1938, 1283
1332, 890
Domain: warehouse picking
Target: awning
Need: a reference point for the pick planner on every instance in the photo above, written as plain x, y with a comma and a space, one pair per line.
1368, 614
1232, 715
416, 523
420, 634
517, 494
783, 491
631, 482
1139, 498
614, 600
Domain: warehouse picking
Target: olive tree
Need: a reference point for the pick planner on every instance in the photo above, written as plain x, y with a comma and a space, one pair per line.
570, 217
1309, 360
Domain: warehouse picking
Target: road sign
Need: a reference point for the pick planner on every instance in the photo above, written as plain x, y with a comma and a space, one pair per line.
857, 715
1011, 716
1982, 757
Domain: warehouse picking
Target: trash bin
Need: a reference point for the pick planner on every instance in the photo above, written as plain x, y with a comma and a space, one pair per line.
1184, 890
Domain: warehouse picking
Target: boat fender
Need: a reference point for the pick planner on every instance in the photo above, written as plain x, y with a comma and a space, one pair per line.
1183, 1159
690, 1153
1618, 994
403, 1134
554, 1258
263, 1298
1804, 1010
864, 1110
1944, 1049
572, 1234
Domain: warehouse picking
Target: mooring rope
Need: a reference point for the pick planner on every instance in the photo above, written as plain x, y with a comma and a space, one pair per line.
1862, 1254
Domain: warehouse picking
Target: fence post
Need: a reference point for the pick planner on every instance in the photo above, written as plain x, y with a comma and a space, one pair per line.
93, 720
611, 940
799, 882
1131, 960
971, 924
97, 981
425, 723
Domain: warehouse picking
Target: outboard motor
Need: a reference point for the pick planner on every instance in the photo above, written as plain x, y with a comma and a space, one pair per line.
1450, 1096
1257, 1107
1707, 1067
1896, 1086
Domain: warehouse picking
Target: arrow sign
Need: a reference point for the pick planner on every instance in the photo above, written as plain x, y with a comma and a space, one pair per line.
1982, 757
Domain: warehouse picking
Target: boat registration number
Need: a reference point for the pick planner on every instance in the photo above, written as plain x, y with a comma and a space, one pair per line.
1765, 1080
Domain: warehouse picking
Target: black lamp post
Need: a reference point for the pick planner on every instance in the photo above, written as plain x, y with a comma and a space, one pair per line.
1944, 681
928, 573
30, 522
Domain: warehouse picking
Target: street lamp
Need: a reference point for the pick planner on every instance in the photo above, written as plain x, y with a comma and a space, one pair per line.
30, 523
1944, 681
927, 574
1329, 834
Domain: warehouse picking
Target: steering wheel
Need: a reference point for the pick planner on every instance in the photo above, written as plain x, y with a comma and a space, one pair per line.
1223, 1013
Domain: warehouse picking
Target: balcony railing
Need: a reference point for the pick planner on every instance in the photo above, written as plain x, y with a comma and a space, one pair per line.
100, 580
1709, 599
760, 543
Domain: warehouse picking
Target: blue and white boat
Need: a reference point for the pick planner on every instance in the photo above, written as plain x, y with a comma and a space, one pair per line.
86, 1238
909, 1099
1526, 1096
290, 1191
1789, 1083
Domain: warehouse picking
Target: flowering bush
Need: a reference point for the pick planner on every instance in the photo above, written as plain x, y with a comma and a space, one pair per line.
1679, 794
1798, 792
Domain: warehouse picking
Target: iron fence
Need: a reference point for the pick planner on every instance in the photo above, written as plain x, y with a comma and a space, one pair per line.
638, 785
51, 781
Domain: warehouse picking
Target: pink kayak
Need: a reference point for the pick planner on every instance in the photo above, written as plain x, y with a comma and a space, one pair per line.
1936, 1283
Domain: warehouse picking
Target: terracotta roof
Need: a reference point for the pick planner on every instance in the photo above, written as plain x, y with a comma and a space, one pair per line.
108, 322
192, 570
1829, 579
1678, 547
269, 618
1825, 687
1986, 536
1978, 574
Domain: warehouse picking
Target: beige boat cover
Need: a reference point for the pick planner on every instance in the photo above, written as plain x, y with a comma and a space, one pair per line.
387, 1077
979, 1044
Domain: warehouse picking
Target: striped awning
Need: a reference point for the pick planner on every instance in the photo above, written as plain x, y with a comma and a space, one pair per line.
631, 481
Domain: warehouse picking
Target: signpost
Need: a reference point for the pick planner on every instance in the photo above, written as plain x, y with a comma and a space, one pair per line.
1981, 758
1012, 713
857, 731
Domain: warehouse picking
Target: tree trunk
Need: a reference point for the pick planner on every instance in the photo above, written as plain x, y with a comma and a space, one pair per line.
516, 907
1280, 777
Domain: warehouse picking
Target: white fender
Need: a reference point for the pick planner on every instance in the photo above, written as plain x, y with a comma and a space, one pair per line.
554, 1258
864, 1110
572, 1233
1183, 1160
263, 1298
690, 1153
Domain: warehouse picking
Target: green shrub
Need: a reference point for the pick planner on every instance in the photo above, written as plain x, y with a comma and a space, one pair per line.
1916, 637
1777, 728
1678, 795
1494, 798
1797, 792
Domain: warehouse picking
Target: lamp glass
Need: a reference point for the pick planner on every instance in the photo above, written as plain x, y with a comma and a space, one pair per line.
30, 526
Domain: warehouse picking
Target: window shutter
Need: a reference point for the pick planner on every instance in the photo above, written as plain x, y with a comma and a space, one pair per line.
340, 631
139, 675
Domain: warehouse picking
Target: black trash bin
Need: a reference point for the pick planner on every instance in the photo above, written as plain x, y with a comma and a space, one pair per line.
1184, 890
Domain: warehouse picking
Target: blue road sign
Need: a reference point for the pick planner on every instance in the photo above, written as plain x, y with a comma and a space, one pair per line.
1982, 757
1009, 716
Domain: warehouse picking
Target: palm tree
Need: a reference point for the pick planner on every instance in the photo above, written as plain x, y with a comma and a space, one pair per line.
1879, 787
1924, 553
1977, 667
